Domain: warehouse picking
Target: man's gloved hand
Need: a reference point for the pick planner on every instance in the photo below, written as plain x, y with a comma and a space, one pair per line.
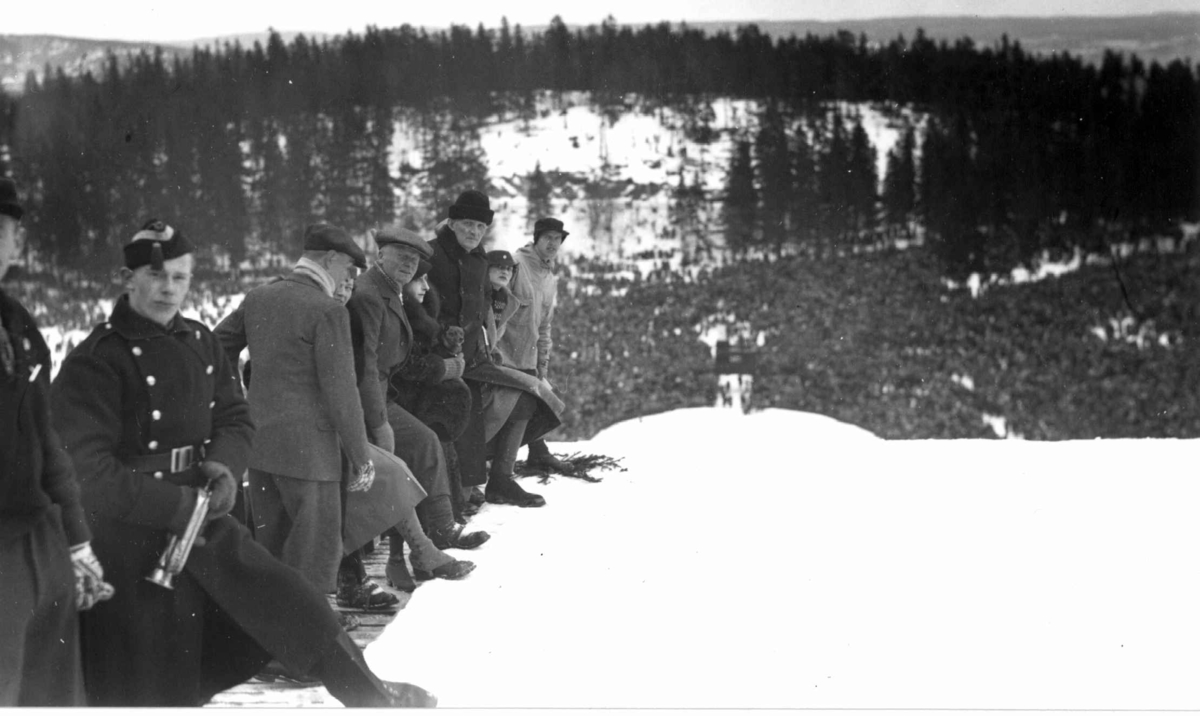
384, 438
223, 485
90, 587
363, 478
454, 367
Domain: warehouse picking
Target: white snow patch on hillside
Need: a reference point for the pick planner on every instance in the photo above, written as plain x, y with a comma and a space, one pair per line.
782, 559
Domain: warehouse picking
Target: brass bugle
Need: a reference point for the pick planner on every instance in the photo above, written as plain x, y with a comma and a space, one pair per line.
171, 562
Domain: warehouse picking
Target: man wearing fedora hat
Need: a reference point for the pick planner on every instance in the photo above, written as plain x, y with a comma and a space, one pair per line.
151, 412
46, 561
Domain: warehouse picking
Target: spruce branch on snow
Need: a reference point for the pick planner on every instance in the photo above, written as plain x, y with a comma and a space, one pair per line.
581, 467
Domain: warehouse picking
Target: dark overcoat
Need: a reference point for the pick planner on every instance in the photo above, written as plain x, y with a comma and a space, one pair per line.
41, 515
460, 278
381, 337
134, 389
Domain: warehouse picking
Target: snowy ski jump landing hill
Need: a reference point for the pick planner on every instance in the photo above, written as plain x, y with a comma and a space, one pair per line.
782, 559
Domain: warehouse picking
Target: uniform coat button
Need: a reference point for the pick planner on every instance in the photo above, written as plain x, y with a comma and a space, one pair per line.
156, 414
208, 370
136, 351
150, 380
158, 475
153, 445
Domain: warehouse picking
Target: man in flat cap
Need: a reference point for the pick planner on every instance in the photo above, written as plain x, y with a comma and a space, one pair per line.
151, 412
47, 567
304, 404
382, 343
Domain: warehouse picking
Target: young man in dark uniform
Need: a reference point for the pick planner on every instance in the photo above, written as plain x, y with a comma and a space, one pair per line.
150, 411
47, 567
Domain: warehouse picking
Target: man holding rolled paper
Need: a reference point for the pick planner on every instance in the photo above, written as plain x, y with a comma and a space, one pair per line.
153, 417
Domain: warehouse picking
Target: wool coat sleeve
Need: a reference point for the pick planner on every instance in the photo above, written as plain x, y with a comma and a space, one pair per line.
231, 331
86, 406
232, 429
58, 474
366, 322
332, 345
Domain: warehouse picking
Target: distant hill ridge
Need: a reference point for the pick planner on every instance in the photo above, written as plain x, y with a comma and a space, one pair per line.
1161, 37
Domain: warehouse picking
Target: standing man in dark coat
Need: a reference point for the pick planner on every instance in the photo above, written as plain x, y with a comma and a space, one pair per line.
382, 342
151, 412
47, 567
460, 275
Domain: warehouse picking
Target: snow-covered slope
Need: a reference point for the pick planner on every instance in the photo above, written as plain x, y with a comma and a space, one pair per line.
782, 559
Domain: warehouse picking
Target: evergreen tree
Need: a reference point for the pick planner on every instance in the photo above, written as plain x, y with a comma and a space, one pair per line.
538, 196
899, 185
741, 201
774, 169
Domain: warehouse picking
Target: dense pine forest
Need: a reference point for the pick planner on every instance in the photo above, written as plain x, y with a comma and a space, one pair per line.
1003, 159
1016, 154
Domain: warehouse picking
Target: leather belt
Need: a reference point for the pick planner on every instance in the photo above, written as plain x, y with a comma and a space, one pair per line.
166, 463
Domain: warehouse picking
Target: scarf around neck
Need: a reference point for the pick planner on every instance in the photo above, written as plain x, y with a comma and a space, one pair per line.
317, 272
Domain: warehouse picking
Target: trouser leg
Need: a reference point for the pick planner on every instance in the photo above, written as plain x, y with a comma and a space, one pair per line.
303, 527
418, 446
508, 441
229, 656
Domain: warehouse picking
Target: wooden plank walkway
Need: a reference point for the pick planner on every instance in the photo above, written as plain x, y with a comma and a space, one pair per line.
281, 694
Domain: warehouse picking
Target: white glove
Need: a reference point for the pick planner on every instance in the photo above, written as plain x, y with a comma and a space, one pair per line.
90, 587
363, 478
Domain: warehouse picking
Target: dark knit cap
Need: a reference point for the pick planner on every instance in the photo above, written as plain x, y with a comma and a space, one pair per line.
396, 234
474, 205
541, 226
327, 237
10, 205
500, 258
154, 243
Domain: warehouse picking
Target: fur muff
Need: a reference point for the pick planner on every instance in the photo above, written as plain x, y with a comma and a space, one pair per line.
419, 385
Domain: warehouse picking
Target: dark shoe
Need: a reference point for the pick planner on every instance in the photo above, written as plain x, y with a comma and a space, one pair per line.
506, 491
398, 576
276, 671
457, 569
367, 596
470, 509
549, 463
476, 497
455, 537
349, 622
407, 696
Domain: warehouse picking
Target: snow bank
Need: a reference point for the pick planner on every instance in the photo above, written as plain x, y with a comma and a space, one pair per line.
786, 560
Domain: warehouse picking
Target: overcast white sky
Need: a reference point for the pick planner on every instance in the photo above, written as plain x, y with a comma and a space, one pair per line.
159, 20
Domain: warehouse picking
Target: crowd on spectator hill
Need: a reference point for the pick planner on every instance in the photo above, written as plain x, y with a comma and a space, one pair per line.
870, 339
